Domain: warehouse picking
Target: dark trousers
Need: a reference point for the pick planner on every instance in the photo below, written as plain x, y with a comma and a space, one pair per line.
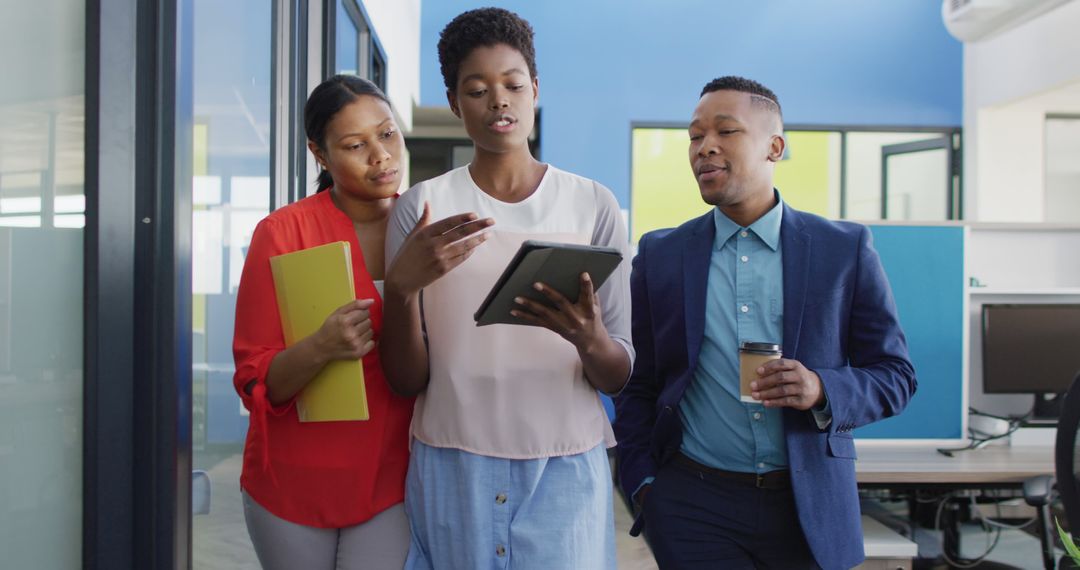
697, 520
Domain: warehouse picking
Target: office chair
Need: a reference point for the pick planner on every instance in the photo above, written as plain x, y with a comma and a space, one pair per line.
1040, 491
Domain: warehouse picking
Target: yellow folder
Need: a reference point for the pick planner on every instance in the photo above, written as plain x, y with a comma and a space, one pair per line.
310, 284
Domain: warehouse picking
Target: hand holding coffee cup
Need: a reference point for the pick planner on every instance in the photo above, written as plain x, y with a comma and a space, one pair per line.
786, 383
752, 356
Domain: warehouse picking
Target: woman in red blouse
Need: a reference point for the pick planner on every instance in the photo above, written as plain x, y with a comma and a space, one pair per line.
327, 494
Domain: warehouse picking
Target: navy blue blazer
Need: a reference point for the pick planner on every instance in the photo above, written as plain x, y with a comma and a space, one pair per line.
839, 320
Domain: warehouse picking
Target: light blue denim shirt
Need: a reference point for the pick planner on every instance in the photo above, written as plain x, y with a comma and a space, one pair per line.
745, 270
744, 302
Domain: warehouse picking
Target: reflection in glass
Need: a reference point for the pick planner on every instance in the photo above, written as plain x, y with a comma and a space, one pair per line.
347, 51
42, 117
230, 194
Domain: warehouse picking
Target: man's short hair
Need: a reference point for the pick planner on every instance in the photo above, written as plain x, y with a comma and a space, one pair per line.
759, 94
483, 27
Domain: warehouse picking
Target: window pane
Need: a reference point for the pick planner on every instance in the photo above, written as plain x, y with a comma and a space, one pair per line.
230, 194
863, 174
347, 51
42, 116
918, 186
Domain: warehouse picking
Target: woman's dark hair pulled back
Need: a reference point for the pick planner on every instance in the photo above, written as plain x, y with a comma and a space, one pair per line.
325, 102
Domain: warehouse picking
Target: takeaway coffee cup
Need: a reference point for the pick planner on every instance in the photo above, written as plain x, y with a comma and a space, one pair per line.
751, 356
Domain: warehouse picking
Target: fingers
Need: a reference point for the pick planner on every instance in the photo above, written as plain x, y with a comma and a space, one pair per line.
355, 305
464, 248
354, 317
469, 229
787, 402
587, 299
790, 384
765, 382
556, 297
360, 339
778, 365
425, 218
531, 318
538, 313
779, 389
458, 226
769, 385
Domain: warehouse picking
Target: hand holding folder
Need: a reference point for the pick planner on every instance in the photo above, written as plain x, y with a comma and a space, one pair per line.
310, 285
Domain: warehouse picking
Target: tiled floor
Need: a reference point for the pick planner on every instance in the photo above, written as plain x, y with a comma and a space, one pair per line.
221, 540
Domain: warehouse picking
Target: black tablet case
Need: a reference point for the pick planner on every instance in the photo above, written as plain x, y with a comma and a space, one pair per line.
558, 265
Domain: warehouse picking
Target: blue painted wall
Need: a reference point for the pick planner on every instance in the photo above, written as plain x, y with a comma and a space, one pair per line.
925, 267
604, 64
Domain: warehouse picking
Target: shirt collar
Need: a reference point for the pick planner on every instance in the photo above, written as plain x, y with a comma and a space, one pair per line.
767, 227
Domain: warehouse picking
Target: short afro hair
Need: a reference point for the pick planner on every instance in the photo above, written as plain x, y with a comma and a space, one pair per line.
759, 94
483, 27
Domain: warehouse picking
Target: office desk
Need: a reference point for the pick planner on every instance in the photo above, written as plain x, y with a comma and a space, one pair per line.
992, 466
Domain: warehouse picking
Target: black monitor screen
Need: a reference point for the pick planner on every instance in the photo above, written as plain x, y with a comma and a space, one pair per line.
1030, 348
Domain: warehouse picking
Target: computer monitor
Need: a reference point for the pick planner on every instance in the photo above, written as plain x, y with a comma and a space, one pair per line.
1030, 349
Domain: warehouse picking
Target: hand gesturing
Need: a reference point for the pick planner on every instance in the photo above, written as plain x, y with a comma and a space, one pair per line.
431, 250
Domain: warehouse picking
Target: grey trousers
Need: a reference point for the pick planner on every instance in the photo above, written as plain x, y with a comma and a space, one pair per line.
381, 543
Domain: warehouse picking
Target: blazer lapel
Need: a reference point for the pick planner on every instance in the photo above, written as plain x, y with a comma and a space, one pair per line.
697, 255
796, 260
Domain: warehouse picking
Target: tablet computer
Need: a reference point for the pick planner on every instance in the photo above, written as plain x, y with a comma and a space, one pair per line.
559, 265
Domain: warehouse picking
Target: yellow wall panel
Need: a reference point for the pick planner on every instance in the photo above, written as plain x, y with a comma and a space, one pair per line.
803, 177
663, 192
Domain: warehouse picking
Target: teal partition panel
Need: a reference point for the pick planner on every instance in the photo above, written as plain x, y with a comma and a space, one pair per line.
925, 266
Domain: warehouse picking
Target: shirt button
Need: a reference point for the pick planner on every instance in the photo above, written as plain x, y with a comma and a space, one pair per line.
742, 234
757, 415
744, 309
744, 259
500, 498
761, 465
500, 551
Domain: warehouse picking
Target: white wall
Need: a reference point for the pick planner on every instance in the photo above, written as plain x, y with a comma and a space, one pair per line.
1010, 165
1032, 59
1063, 169
1012, 154
397, 23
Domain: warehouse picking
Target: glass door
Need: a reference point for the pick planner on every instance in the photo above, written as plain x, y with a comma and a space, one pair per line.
42, 153
917, 181
231, 162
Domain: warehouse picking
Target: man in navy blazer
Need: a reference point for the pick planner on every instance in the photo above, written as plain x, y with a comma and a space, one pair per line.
720, 482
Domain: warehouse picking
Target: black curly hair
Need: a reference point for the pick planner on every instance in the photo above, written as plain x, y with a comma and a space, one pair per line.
483, 27
759, 94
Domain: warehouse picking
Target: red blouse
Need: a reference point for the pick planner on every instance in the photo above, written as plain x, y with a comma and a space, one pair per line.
321, 474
